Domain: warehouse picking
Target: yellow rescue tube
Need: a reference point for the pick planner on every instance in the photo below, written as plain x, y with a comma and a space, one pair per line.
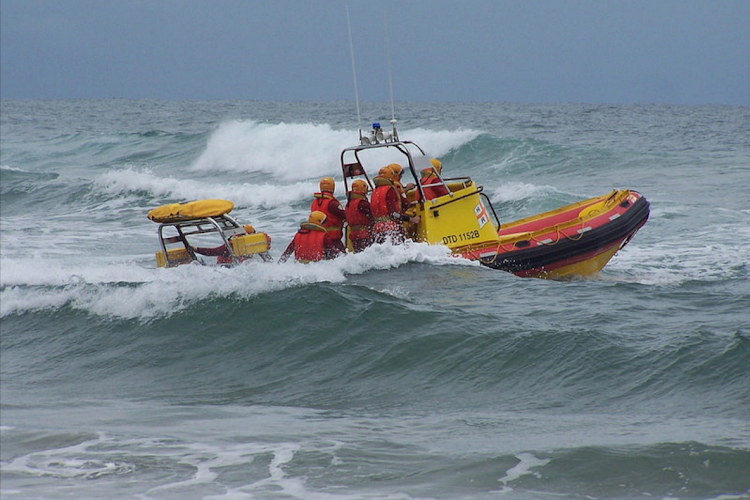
192, 210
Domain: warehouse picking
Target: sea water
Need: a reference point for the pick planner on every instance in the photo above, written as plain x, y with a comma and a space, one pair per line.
399, 373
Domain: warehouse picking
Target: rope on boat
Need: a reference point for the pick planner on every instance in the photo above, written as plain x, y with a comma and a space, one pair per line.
558, 232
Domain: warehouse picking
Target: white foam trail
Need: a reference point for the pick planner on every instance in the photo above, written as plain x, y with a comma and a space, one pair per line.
677, 260
526, 463
97, 288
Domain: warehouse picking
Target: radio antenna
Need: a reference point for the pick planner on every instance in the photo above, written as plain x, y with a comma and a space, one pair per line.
388, 53
354, 72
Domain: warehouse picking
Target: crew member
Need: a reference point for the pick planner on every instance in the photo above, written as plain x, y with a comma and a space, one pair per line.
359, 216
222, 253
386, 208
398, 172
328, 204
432, 184
313, 242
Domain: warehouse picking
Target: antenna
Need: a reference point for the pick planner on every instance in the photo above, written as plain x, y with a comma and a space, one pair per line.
390, 77
354, 72
388, 54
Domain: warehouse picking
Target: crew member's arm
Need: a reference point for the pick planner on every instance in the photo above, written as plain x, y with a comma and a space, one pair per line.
392, 204
289, 250
336, 209
217, 251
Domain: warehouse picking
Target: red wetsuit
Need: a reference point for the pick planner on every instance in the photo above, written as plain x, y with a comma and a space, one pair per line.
385, 205
359, 218
313, 243
221, 252
430, 191
335, 216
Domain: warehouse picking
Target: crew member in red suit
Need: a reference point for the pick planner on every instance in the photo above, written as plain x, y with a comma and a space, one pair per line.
432, 185
328, 204
223, 256
387, 211
398, 172
313, 242
359, 216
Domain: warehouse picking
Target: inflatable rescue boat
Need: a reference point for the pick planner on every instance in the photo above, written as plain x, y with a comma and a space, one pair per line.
574, 240
205, 222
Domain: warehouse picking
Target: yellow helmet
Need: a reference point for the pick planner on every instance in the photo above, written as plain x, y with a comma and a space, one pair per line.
360, 186
248, 229
397, 169
327, 184
389, 173
436, 163
317, 217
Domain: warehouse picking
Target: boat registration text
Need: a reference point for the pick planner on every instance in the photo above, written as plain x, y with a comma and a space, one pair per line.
455, 238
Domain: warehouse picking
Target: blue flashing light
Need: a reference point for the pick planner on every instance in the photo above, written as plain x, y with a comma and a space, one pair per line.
376, 125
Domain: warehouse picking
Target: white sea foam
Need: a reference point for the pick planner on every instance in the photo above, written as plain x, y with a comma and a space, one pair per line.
516, 191
12, 169
97, 288
189, 468
526, 463
169, 188
300, 151
292, 157
285, 151
672, 261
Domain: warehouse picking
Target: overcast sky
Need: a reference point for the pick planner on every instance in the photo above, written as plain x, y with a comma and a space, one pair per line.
539, 51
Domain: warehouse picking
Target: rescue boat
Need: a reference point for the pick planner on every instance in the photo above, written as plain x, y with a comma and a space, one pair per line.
575, 240
205, 222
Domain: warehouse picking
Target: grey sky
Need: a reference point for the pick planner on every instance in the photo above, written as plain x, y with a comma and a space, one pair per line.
615, 51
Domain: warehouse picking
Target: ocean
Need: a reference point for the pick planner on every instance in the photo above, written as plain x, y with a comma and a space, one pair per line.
400, 373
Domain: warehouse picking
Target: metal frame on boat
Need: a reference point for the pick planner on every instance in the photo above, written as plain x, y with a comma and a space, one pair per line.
183, 221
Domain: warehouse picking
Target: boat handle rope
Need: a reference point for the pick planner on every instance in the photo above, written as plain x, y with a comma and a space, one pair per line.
558, 232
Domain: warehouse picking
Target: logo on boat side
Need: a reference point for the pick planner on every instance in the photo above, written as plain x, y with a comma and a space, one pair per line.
481, 213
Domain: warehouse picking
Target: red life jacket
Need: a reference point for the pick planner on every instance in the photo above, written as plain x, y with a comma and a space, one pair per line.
379, 202
360, 225
334, 223
384, 207
432, 192
310, 243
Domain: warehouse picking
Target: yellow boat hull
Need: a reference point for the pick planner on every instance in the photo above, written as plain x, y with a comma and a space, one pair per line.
575, 240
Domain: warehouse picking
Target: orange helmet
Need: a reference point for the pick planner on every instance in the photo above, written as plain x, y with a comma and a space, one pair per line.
387, 172
397, 169
360, 186
248, 229
317, 217
436, 163
327, 184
